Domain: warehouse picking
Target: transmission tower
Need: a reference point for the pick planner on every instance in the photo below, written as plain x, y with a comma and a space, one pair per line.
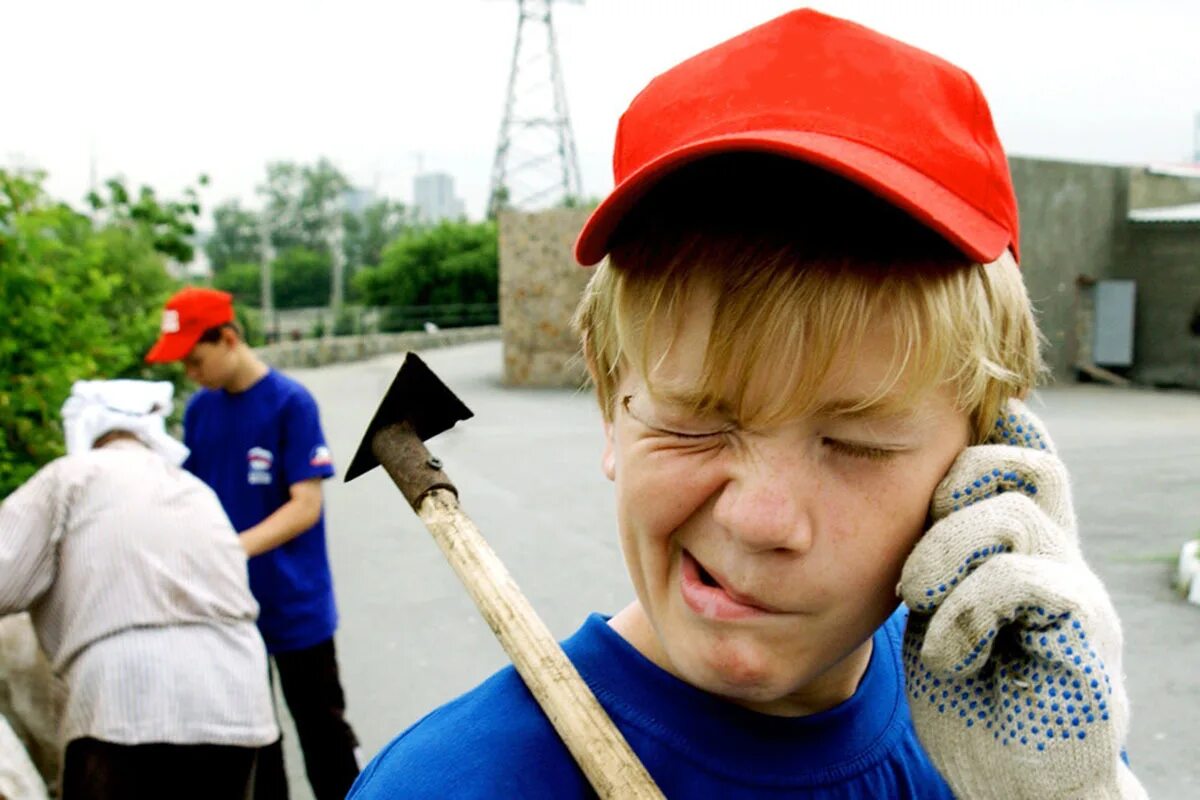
535, 164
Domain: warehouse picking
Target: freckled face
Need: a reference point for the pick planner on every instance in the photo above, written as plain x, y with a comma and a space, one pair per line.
763, 560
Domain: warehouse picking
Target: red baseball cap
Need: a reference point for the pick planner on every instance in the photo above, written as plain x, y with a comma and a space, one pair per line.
187, 315
898, 121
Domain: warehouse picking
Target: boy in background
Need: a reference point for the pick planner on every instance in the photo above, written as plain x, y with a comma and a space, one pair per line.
255, 438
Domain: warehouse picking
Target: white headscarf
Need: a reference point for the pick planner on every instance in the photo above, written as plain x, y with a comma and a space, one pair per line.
140, 407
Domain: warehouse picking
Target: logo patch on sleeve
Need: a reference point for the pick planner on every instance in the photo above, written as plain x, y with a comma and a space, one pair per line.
320, 457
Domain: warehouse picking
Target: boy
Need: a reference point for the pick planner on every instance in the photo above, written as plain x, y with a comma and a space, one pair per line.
137, 589
255, 438
808, 342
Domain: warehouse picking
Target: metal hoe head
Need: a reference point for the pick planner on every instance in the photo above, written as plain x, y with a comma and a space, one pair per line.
418, 397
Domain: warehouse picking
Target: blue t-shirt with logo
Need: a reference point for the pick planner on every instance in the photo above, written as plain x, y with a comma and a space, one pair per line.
250, 447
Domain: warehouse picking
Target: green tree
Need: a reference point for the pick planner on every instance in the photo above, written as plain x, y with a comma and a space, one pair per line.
82, 298
453, 262
370, 231
235, 237
302, 278
302, 202
243, 281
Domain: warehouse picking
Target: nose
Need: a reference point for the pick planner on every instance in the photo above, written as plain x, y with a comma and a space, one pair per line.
770, 503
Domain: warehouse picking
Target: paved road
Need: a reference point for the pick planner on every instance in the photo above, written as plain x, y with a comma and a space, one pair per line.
528, 471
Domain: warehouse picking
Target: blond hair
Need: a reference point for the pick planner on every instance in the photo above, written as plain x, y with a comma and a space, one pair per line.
798, 274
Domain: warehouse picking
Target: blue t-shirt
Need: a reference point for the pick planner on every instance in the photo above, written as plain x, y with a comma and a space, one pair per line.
250, 447
494, 741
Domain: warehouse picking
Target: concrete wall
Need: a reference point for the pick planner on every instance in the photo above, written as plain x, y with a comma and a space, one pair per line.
1164, 259
336, 349
1072, 224
540, 285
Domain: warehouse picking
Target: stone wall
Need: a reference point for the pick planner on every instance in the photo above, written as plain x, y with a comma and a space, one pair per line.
540, 285
336, 349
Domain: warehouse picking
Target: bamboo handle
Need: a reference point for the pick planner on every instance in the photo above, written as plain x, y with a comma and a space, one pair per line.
598, 747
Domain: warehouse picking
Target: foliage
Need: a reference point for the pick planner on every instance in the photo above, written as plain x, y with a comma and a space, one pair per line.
369, 232
453, 262
243, 281
235, 238
302, 278
82, 299
302, 201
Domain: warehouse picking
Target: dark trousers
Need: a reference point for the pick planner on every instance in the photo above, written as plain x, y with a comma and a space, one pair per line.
97, 770
313, 692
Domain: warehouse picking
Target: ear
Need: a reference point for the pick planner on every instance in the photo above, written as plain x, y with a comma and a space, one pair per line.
608, 460
229, 337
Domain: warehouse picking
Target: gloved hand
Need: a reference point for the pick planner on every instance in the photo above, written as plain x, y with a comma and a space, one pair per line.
1013, 649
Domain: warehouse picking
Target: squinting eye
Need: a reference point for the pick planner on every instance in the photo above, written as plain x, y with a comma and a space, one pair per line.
681, 435
858, 450
667, 431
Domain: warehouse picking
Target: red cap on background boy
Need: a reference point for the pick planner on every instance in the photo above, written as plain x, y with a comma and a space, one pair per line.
187, 315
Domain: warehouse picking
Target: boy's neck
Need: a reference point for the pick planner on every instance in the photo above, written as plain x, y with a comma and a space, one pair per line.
250, 370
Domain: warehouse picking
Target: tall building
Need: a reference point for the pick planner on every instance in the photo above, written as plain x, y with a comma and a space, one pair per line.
433, 198
355, 200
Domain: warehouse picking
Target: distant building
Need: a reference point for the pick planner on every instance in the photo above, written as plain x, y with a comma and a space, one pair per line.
433, 198
356, 200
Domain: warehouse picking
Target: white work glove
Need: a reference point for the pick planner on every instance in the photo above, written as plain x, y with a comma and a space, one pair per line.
1013, 649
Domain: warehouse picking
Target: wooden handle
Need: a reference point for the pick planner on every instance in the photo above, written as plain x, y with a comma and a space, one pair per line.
598, 747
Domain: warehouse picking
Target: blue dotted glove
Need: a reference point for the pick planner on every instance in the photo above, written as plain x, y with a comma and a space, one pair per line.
1013, 649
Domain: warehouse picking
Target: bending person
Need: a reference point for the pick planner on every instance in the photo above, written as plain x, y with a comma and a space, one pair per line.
137, 587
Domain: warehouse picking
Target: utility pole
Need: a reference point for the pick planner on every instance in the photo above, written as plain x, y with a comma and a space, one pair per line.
532, 169
267, 285
337, 254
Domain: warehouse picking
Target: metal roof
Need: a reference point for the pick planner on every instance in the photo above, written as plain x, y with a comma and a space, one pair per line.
1189, 212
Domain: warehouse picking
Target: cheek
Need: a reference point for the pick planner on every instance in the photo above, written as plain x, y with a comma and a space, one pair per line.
877, 522
659, 491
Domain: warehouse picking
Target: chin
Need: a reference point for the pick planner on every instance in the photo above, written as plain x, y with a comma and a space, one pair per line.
742, 674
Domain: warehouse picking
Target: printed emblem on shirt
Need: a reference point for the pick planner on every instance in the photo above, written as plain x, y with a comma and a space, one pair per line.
320, 456
260, 460
170, 321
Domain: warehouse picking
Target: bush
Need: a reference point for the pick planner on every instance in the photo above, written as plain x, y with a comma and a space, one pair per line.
454, 262
82, 300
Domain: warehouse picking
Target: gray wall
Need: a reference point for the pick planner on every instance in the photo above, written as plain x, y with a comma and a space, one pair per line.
1164, 259
1072, 224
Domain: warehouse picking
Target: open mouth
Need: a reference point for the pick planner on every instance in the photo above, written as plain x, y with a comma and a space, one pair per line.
709, 597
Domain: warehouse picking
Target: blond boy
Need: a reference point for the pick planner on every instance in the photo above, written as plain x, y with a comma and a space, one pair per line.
809, 342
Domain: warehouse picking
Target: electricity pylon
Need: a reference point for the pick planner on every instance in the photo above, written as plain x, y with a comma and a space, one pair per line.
535, 164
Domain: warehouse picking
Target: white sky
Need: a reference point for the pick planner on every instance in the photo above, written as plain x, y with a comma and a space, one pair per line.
162, 91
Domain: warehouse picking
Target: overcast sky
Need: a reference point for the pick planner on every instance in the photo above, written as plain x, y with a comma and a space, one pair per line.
160, 92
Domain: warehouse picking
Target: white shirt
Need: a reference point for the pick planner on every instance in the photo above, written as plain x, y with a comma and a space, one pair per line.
137, 587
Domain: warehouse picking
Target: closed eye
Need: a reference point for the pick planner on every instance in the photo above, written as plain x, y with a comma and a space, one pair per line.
856, 450
668, 431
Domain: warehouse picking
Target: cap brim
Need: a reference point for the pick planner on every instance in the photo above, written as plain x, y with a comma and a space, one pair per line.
172, 347
966, 227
